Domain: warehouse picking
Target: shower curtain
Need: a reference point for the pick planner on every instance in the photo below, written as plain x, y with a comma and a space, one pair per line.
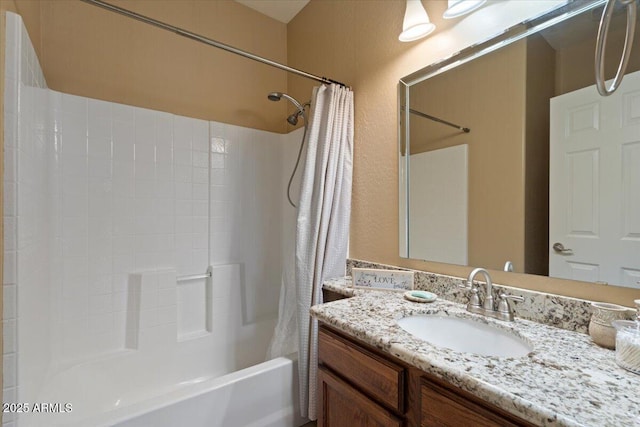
322, 233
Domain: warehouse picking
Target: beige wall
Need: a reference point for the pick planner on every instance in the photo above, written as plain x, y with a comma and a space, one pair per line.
5, 5
356, 42
496, 177
540, 88
85, 50
29, 10
507, 108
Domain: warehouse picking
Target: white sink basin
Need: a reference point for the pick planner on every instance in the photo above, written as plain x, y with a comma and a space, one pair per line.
465, 335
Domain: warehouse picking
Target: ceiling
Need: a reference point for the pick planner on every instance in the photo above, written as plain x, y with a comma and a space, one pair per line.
281, 10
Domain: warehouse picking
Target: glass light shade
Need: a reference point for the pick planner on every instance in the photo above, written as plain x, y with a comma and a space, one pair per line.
416, 22
461, 7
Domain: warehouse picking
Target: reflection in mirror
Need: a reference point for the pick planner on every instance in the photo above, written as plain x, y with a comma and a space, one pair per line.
548, 175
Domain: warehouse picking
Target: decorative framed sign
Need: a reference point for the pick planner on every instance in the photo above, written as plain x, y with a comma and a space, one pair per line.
386, 280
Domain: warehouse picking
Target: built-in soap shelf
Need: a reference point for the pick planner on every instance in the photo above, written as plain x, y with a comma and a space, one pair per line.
152, 304
161, 309
194, 309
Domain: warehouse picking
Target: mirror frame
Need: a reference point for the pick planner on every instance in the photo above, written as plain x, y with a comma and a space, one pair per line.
507, 37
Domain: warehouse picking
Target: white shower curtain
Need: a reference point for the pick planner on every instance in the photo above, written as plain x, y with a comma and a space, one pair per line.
322, 233
323, 220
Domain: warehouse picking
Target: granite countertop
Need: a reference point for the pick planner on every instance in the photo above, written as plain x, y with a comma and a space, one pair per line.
566, 381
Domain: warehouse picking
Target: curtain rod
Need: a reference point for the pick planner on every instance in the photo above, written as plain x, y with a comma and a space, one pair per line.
207, 41
426, 116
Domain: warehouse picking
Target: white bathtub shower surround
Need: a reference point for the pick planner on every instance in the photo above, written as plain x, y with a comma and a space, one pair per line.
248, 210
161, 370
105, 206
262, 395
26, 223
141, 192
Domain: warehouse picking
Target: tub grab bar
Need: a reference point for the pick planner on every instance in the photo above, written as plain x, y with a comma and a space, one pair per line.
187, 278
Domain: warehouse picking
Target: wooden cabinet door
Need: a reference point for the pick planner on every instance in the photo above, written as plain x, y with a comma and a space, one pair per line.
343, 406
443, 407
371, 373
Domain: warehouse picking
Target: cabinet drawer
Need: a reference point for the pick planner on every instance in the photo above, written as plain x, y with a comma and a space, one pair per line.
381, 379
444, 407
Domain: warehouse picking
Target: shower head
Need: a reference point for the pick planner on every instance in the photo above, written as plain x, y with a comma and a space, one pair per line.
274, 96
293, 119
277, 96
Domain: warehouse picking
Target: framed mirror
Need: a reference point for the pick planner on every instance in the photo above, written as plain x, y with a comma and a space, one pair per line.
509, 157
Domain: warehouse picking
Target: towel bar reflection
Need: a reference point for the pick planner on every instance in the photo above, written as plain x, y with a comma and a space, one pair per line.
436, 119
190, 277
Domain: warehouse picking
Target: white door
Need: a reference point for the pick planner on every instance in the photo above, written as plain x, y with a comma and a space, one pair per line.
594, 185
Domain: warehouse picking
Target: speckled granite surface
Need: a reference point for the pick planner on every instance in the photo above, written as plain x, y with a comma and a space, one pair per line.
566, 381
554, 310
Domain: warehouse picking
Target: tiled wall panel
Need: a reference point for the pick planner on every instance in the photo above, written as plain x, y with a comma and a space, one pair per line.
143, 191
27, 225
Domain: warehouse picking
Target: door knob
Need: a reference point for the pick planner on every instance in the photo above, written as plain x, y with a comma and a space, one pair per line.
559, 247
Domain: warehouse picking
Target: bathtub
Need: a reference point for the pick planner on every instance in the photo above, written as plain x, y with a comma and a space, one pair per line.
263, 395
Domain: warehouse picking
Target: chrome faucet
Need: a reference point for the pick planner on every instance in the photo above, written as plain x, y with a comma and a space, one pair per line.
503, 311
488, 299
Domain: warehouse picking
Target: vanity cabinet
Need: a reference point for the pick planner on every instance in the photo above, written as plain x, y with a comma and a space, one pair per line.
358, 386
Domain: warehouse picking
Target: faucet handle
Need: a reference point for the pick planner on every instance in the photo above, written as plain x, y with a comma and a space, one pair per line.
503, 304
469, 284
474, 299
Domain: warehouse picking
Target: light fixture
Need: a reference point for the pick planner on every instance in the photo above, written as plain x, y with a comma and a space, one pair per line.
416, 22
461, 7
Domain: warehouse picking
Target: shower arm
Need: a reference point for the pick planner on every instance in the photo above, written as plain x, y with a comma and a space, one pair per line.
301, 110
208, 41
